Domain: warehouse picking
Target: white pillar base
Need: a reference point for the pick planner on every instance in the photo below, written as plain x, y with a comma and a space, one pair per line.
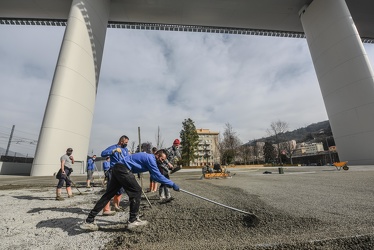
69, 113
345, 77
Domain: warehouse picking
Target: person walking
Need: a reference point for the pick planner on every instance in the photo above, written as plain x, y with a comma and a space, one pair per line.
63, 174
90, 170
123, 176
115, 153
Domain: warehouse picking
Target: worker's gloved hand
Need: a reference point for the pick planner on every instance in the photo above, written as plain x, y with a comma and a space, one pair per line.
117, 150
175, 187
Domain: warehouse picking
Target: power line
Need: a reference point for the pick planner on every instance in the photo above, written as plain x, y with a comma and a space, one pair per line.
16, 130
18, 143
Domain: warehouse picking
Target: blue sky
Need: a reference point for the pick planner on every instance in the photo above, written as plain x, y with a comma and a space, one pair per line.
160, 78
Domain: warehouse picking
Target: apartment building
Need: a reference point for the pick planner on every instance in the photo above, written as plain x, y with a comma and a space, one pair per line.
207, 153
308, 148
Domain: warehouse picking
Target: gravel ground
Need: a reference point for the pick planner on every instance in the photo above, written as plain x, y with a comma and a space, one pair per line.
305, 208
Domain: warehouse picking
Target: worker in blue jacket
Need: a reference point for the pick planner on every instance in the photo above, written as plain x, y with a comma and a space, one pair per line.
116, 153
90, 170
120, 148
123, 176
106, 167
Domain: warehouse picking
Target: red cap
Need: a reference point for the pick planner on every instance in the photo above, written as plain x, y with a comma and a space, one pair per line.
176, 142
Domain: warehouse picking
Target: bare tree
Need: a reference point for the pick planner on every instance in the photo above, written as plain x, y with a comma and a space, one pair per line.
229, 145
159, 140
132, 147
245, 152
256, 151
289, 147
277, 129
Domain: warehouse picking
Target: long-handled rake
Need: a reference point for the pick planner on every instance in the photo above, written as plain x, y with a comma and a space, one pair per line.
140, 177
254, 218
72, 182
100, 177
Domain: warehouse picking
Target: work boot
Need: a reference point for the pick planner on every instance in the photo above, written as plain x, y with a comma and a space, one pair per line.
169, 199
136, 223
89, 226
109, 213
162, 194
117, 209
59, 198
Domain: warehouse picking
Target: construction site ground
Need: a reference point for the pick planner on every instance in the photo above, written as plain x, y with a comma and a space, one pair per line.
315, 207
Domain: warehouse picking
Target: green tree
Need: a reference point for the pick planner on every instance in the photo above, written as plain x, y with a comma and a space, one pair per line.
189, 141
308, 137
269, 152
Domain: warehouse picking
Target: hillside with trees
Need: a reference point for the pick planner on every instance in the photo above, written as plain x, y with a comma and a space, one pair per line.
316, 132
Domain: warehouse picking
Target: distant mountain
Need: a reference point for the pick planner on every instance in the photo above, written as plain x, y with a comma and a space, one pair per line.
313, 132
309, 133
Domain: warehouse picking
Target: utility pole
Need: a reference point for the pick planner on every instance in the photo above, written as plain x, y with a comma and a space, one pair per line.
140, 150
158, 137
140, 143
10, 139
328, 148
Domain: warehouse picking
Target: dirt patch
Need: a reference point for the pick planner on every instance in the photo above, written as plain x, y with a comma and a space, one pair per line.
191, 223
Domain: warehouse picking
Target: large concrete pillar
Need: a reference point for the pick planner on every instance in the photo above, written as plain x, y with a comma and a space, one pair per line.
345, 77
69, 113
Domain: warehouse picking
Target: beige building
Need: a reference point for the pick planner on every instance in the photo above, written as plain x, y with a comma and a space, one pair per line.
308, 148
208, 152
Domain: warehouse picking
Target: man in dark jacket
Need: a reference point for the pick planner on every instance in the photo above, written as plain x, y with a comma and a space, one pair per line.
123, 176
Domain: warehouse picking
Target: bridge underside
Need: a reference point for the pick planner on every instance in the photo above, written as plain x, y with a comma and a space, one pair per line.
334, 30
262, 17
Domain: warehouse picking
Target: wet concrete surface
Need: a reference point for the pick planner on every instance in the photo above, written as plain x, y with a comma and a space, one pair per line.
304, 208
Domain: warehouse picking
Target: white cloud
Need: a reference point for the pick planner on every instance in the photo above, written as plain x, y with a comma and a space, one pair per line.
150, 79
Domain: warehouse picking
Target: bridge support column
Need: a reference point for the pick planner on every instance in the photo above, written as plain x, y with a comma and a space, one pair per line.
69, 113
345, 77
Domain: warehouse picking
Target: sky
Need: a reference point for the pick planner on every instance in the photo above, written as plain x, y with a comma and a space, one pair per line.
157, 79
